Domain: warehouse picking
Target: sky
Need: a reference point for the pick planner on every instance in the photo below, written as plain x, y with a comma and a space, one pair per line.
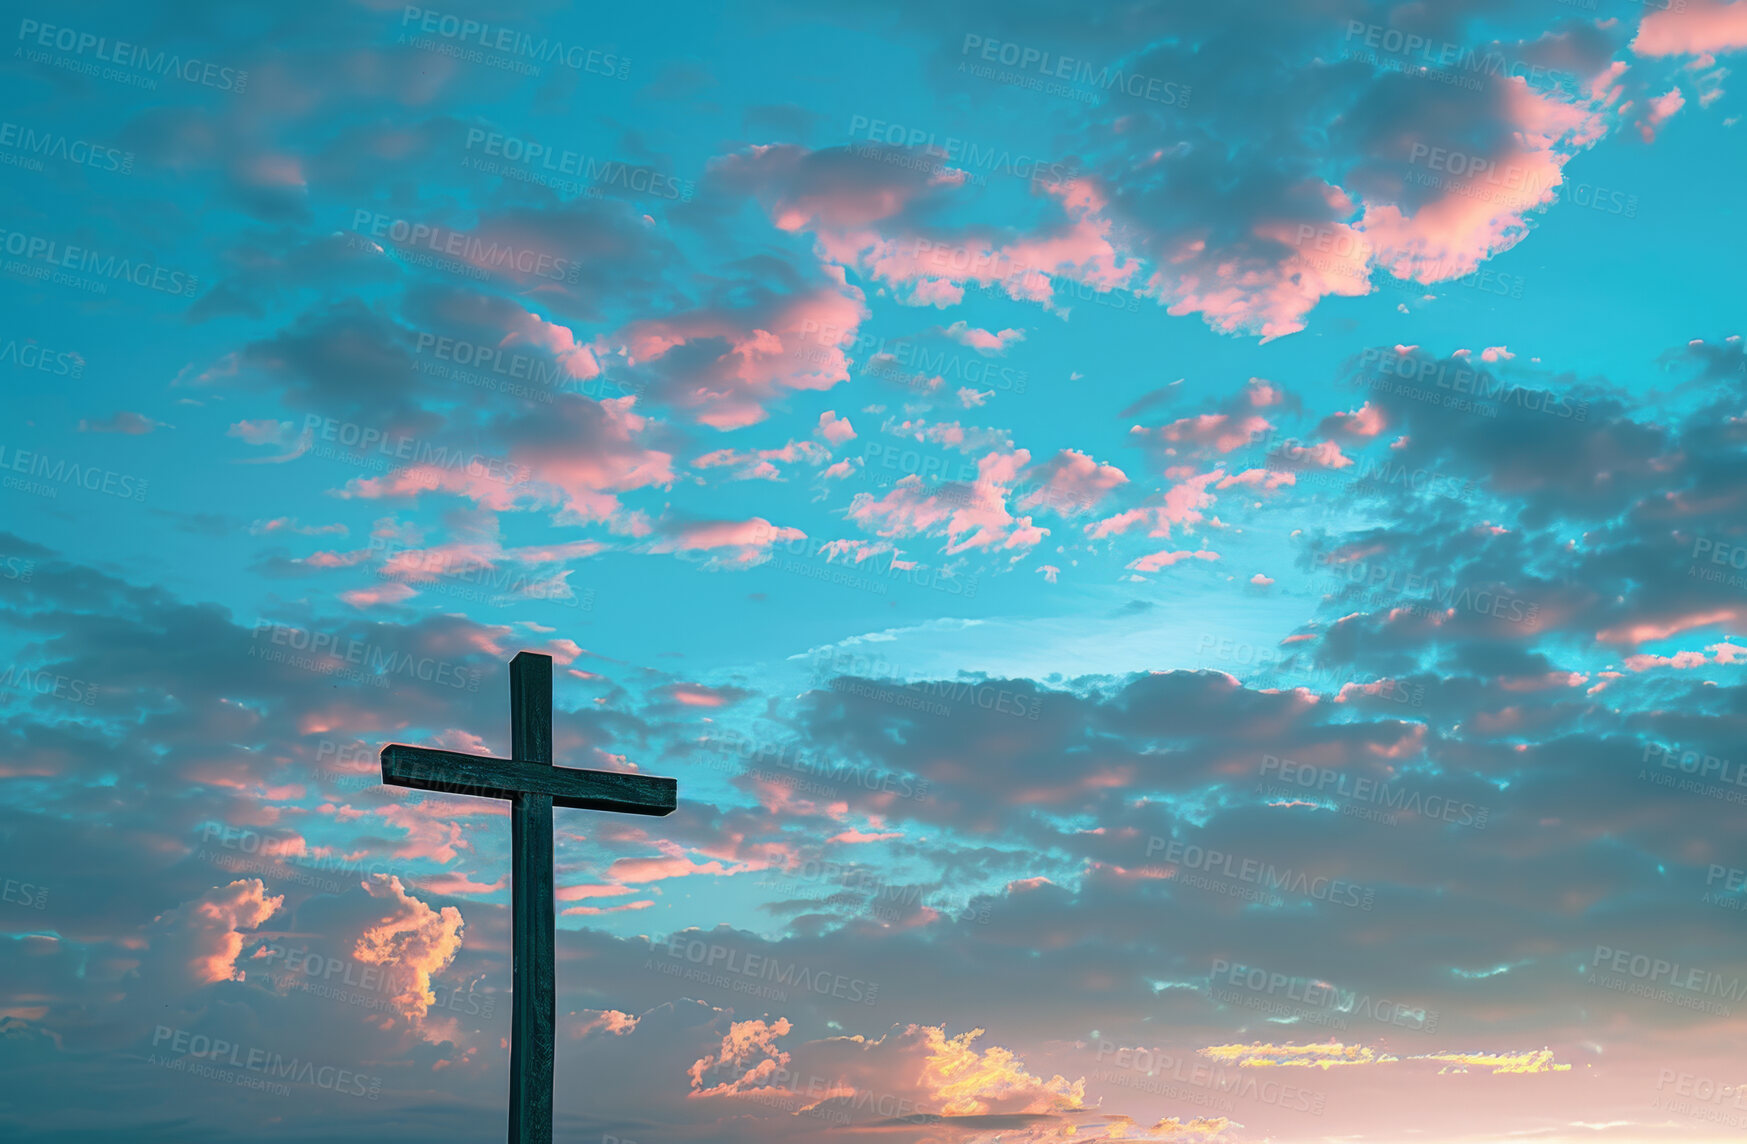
1189, 561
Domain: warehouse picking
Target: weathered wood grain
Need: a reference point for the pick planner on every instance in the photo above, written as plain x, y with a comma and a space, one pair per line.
534, 953
533, 787
482, 776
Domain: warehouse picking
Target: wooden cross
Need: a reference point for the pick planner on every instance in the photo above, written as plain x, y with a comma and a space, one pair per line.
533, 787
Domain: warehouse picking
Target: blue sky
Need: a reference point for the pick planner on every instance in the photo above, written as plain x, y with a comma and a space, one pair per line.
995, 458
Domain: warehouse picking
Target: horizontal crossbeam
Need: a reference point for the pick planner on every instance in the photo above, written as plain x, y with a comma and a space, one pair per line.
482, 776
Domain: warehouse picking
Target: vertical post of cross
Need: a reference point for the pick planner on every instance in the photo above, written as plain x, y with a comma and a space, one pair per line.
532, 1037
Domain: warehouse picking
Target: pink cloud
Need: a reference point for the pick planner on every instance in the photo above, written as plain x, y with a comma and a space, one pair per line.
124, 422
982, 340
1266, 286
1072, 482
577, 359
1363, 423
1181, 505
739, 361
1722, 653
1658, 111
760, 464
1477, 215
410, 940
750, 1055
1643, 631
1167, 558
834, 429
1221, 432
610, 1021
1693, 28
969, 515
751, 539
267, 432
852, 207
380, 594
199, 940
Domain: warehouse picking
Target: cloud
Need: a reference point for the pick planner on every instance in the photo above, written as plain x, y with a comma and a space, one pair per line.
1071, 483
131, 424
1695, 28
198, 942
750, 541
411, 940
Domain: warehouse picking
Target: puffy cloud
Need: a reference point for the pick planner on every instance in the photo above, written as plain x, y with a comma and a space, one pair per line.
725, 364
197, 943
981, 340
411, 941
749, 540
1071, 482
1167, 558
834, 429
1696, 27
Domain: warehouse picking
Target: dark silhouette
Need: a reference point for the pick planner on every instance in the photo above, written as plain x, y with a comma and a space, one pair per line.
533, 787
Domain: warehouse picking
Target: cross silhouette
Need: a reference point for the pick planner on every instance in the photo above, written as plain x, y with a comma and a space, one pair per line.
533, 787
